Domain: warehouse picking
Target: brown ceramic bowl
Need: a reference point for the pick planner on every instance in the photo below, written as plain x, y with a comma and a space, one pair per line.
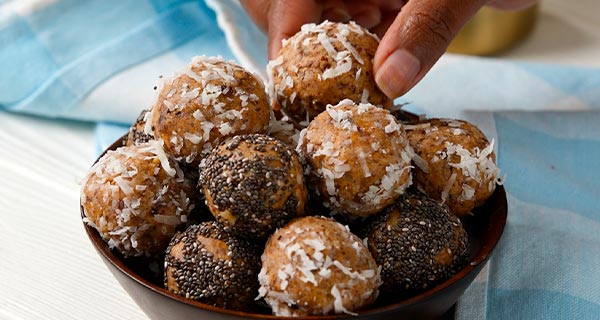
484, 228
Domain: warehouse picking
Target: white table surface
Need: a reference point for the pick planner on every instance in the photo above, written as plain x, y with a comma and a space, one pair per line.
48, 268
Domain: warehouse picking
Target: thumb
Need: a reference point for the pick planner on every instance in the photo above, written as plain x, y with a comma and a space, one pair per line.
417, 38
286, 18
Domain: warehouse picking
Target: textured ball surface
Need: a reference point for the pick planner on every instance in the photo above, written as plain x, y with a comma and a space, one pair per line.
253, 184
359, 158
456, 163
207, 264
206, 102
324, 64
316, 266
418, 243
136, 197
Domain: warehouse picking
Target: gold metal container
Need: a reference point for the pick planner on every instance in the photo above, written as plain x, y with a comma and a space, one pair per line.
491, 31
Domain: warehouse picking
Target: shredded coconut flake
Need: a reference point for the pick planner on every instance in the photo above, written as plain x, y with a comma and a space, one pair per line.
326, 43
156, 147
420, 163
445, 192
192, 138
363, 163
341, 67
123, 185
365, 96
225, 129
338, 302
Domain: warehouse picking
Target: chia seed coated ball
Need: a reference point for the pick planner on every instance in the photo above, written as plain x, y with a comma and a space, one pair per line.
253, 184
456, 164
136, 197
418, 243
315, 266
207, 264
206, 102
359, 158
324, 64
140, 131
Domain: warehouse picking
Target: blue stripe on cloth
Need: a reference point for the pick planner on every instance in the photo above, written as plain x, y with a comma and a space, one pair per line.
500, 85
583, 83
547, 248
544, 169
25, 63
210, 42
154, 35
559, 124
534, 304
73, 28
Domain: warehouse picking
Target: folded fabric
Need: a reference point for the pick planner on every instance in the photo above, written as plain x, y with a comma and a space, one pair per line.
98, 60
545, 266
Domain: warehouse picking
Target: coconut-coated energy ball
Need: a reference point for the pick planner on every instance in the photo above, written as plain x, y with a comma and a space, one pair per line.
316, 266
324, 64
359, 158
418, 243
207, 101
207, 264
455, 163
136, 197
253, 184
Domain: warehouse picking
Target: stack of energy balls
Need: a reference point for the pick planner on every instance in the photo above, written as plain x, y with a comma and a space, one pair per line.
319, 196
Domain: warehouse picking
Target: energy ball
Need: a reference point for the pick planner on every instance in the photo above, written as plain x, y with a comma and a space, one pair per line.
456, 163
207, 264
204, 103
140, 131
136, 197
418, 243
315, 266
359, 158
324, 64
253, 184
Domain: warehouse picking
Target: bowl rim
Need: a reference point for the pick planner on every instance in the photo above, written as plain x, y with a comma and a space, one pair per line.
493, 235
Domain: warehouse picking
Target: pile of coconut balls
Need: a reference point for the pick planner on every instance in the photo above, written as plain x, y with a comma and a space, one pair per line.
306, 194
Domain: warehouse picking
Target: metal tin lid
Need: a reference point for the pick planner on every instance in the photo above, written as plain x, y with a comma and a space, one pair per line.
492, 30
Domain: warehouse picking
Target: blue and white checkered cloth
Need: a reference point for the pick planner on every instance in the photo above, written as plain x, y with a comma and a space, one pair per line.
98, 61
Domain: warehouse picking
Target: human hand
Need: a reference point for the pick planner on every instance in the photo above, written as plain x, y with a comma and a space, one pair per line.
414, 33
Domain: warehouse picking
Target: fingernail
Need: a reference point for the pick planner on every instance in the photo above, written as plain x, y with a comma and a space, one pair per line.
337, 15
368, 18
397, 73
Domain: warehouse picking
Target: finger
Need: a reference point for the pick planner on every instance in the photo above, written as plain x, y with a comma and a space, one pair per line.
386, 21
336, 11
286, 18
417, 38
258, 11
365, 13
389, 5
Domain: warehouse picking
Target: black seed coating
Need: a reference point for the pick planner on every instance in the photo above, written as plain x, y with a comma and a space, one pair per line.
136, 135
252, 188
406, 238
230, 283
